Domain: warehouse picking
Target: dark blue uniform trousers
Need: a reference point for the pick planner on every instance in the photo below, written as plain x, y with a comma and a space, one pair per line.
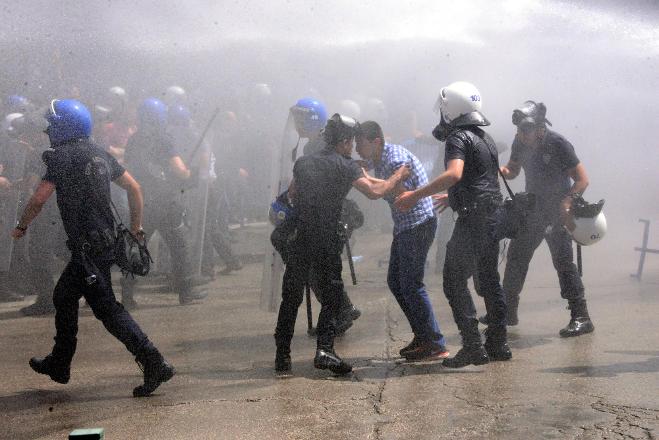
100, 297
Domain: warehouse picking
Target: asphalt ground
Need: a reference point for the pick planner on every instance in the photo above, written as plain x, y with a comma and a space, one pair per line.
604, 385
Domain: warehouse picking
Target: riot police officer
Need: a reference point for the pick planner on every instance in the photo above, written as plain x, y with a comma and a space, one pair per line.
320, 183
555, 175
81, 173
471, 178
158, 167
310, 116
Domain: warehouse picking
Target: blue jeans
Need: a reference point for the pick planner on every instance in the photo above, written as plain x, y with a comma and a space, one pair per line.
407, 262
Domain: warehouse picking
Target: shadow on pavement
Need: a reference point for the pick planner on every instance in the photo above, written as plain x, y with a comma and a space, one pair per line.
650, 365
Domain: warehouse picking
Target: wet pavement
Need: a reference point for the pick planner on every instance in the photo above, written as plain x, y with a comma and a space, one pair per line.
604, 385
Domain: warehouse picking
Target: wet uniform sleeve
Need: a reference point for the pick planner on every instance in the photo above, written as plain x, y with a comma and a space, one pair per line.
455, 149
352, 170
116, 170
516, 151
568, 157
55, 167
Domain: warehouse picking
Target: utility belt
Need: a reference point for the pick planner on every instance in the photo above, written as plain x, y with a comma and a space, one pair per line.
483, 206
95, 244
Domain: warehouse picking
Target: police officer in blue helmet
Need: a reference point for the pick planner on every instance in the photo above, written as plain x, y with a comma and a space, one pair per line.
81, 174
310, 117
158, 165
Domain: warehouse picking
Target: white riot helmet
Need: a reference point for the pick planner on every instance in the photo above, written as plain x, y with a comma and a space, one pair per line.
350, 108
589, 220
117, 92
458, 99
175, 95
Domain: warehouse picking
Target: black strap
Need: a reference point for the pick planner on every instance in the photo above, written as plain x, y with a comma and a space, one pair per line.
495, 157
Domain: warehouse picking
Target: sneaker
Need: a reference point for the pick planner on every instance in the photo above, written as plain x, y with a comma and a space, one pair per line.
156, 371
426, 351
498, 351
190, 297
576, 327
38, 309
409, 347
475, 355
50, 367
328, 360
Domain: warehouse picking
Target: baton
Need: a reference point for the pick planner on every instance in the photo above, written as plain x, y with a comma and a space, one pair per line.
203, 134
350, 263
579, 263
307, 290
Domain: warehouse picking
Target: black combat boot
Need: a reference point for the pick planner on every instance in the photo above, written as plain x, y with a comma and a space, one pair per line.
283, 357
496, 344
156, 371
327, 359
468, 355
59, 371
580, 322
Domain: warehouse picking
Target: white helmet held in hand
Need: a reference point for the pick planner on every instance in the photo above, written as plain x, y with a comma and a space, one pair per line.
458, 99
590, 223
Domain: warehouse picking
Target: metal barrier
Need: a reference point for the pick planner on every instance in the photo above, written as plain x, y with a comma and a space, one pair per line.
643, 249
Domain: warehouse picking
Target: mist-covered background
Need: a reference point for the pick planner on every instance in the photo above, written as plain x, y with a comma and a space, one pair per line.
595, 64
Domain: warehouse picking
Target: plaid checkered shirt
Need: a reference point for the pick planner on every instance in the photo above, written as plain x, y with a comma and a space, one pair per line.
393, 157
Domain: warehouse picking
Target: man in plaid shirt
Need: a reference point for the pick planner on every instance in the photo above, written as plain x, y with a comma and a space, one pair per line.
414, 232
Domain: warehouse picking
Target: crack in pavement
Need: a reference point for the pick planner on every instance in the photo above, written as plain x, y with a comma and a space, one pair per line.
378, 397
630, 422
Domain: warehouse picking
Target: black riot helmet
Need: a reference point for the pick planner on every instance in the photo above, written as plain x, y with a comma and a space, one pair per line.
340, 128
530, 115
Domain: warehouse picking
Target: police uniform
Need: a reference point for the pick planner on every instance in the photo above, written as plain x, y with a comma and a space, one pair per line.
471, 249
322, 180
347, 311
147, 157
546, 172
81, 173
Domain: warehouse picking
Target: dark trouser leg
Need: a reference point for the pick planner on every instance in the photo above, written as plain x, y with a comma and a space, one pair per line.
328, 267
112, 314
520, 252
458, 267
68, 290
292, 292
175, 240
221, 236
413, 247
572, 289
487, 259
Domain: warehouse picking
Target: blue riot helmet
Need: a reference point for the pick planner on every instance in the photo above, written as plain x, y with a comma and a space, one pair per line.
310, 116
281, 210
178, 115
152, 113
68, 119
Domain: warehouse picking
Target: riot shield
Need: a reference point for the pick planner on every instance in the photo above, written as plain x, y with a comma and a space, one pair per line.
194, 197
281, 172
12, 158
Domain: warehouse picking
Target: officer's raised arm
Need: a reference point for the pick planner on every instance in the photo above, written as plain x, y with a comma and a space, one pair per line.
33, 208
376, 188
135, 200
177, 166
444, 181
